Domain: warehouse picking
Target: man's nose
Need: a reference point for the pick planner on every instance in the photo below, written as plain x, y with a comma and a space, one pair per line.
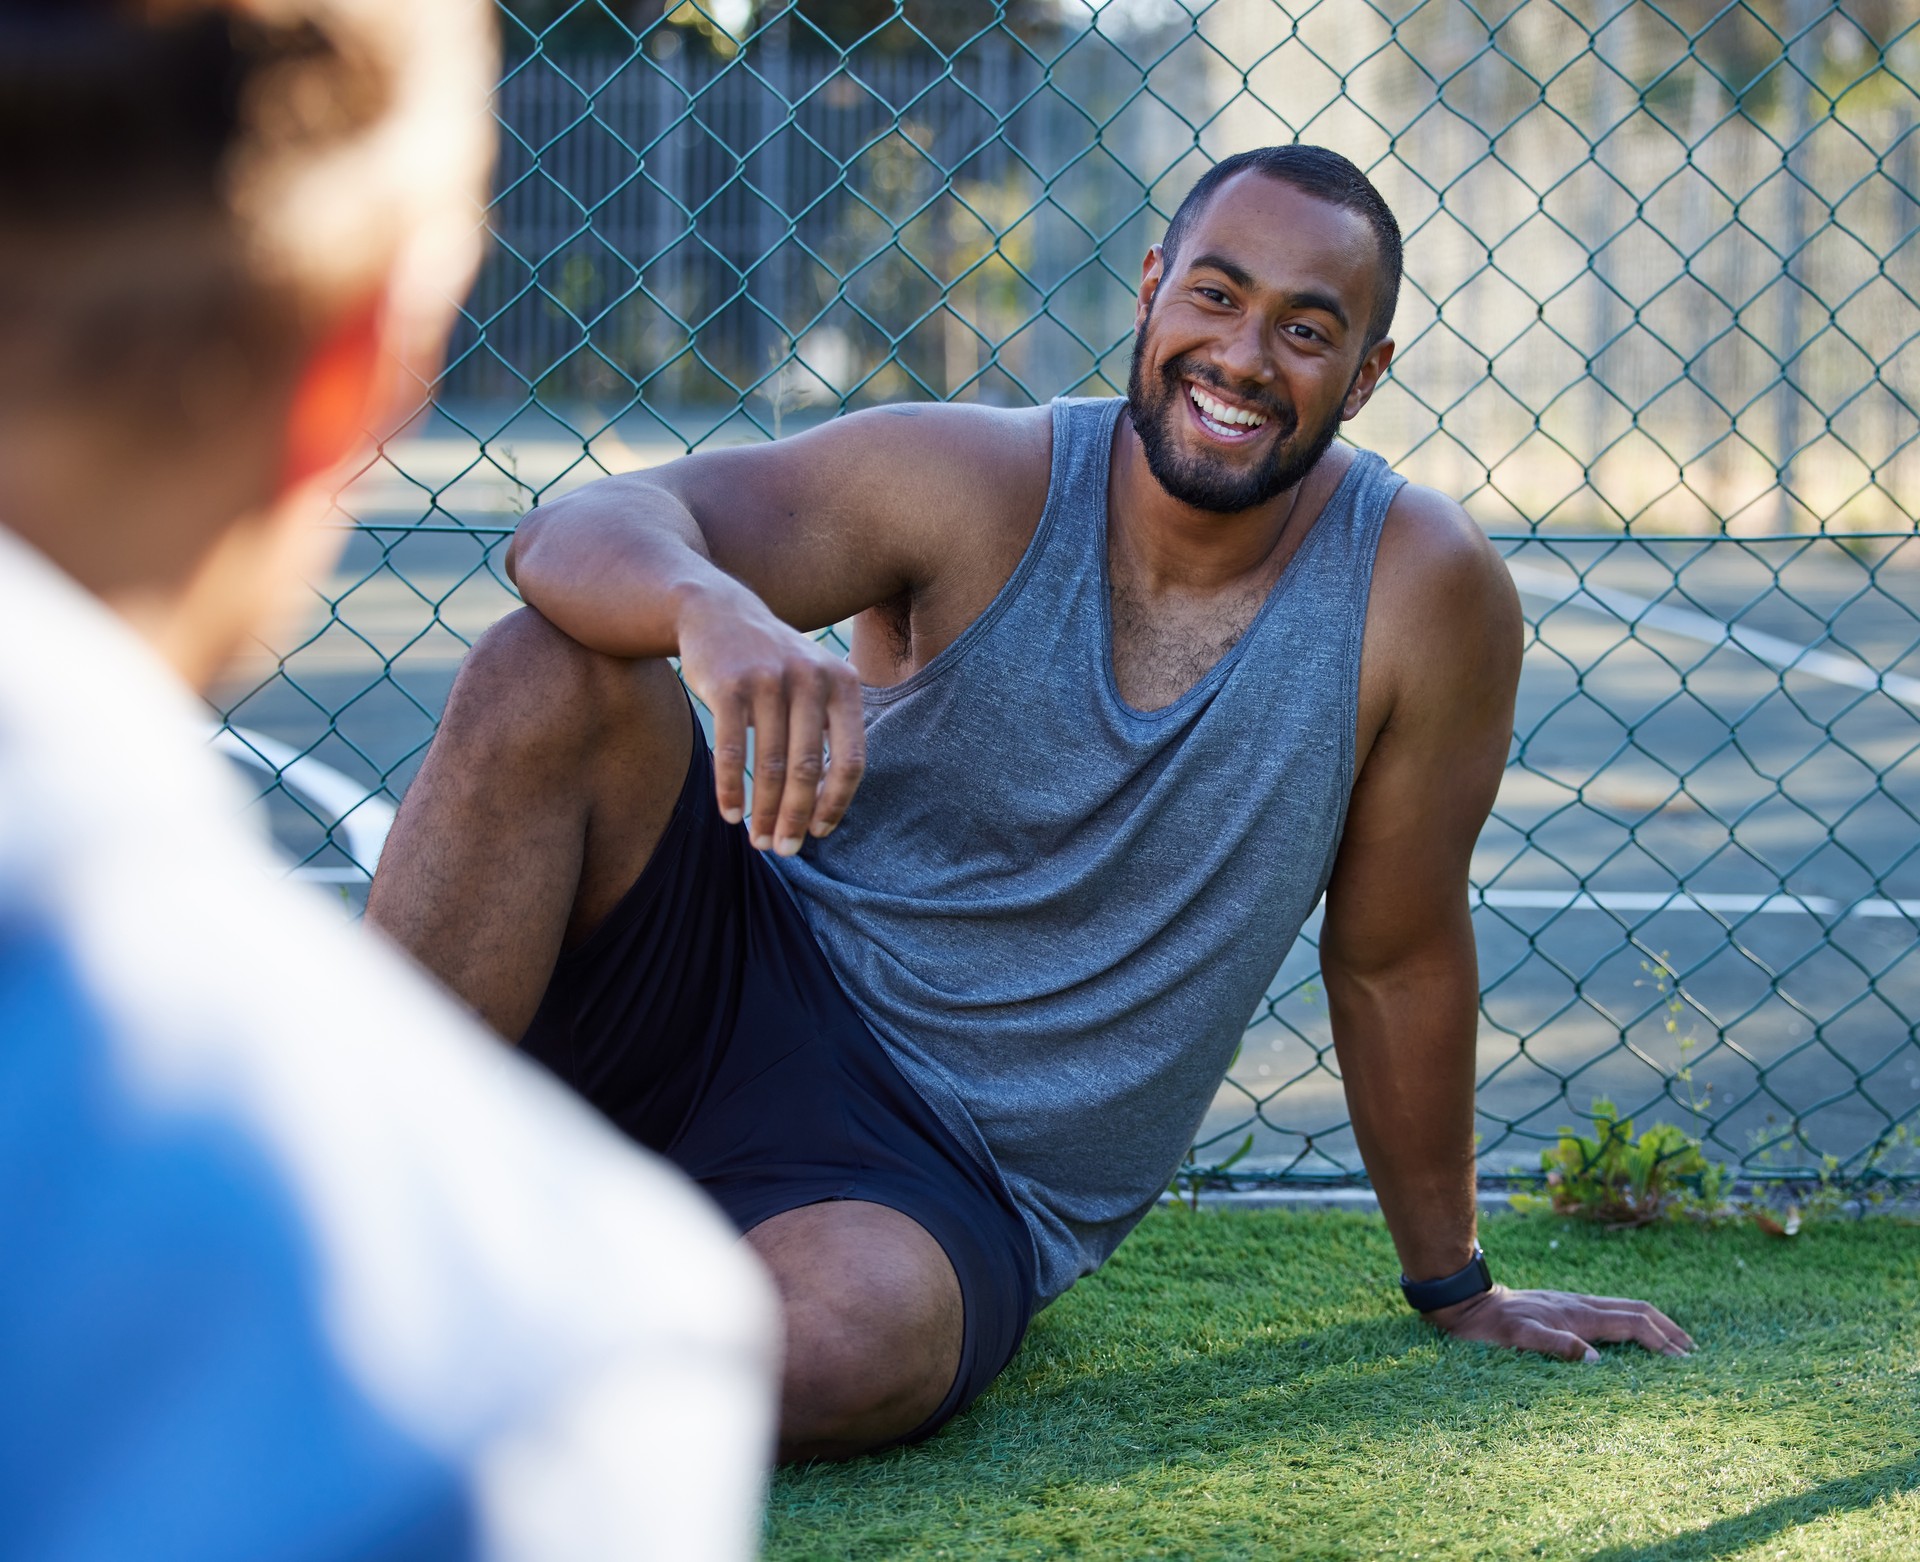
1244, 355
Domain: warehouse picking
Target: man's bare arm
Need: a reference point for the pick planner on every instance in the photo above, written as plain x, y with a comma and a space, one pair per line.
727, 558
1397, 953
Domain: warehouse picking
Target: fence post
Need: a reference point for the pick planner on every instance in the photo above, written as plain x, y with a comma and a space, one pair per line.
1800, 56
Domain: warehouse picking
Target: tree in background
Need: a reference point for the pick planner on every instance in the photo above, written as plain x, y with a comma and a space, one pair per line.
816, 26
946, 25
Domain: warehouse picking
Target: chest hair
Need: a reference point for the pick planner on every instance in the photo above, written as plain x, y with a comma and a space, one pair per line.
1163, 647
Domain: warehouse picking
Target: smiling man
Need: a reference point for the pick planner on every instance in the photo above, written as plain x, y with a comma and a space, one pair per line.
1134, 682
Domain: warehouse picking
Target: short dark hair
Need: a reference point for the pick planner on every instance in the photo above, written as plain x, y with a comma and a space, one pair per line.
1323, 174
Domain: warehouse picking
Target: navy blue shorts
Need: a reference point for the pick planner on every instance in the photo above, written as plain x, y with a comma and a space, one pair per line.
704, 1021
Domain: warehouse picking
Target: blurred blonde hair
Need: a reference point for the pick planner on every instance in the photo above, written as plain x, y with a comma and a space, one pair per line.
398, 195
195, 177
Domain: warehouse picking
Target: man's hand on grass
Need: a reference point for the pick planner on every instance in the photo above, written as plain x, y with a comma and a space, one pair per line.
1560, 1323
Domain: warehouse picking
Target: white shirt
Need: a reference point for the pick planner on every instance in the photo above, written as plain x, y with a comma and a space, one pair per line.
295, 1257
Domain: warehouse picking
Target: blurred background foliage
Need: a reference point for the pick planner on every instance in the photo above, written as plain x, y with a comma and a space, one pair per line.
1657, 259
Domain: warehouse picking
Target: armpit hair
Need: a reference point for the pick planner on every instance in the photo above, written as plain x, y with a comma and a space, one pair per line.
895, 617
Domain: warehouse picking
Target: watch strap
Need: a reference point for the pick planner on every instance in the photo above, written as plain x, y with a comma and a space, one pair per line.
1425, 1296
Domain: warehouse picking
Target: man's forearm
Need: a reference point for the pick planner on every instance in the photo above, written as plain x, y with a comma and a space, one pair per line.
1404, 1034
623, 568
614, 566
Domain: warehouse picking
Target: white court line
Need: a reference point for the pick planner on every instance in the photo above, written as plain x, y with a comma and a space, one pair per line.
1680, 900
364, 820
1550, 586
1570, 590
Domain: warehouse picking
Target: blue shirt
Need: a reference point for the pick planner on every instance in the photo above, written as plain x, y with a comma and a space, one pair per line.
295, 1261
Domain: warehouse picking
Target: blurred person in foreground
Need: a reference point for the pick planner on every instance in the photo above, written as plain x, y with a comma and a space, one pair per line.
1143, 677
296, 1261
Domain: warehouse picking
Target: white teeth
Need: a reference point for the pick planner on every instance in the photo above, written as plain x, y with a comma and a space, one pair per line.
1220, 412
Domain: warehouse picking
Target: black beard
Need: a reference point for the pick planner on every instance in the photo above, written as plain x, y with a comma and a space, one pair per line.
1201, 481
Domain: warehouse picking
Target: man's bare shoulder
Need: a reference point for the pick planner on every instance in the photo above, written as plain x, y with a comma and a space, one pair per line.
881, 502
901, 448
956, 459
1435, 565
1443, 612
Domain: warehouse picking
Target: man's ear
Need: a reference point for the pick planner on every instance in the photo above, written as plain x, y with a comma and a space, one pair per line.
1150, 272
338, 391
1372, 368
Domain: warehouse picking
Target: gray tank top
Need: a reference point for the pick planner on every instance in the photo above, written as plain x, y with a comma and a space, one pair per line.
1057, 912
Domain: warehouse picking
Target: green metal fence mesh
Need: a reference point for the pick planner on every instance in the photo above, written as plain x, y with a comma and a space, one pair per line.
1660, 334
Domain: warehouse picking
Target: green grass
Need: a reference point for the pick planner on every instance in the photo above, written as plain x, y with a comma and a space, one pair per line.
1243, 1384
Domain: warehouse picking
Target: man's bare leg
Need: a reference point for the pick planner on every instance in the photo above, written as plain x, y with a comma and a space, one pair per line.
553, 774
873, 1323
551, 780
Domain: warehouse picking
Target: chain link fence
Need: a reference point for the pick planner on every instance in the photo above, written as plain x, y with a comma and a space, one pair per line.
1660, 333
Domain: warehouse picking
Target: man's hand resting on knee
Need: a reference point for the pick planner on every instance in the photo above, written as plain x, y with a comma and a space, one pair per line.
729, 559
801, 701
1560, 1323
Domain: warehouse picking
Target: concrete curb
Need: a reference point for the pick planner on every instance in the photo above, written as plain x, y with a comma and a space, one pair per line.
1904, 1205
1361, 1199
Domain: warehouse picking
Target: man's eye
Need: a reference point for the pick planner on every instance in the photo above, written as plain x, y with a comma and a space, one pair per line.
1212, 294
1306, 332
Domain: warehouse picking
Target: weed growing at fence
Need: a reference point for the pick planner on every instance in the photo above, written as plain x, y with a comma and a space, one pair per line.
1621, 1178
1889, 1164
1192, 1179
1243, 1384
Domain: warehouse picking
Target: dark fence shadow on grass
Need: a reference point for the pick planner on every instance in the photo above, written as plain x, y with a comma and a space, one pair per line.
1729, 1535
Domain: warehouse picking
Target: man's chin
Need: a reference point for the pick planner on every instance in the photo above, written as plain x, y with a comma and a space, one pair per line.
1212, 495
1203, 480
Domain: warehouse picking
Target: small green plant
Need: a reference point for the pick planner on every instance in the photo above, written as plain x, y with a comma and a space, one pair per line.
1620, 1178
1191, 1178
1665, 981
507, 459
1780, 1205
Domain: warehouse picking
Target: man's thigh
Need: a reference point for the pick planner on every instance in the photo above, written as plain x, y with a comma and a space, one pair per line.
540, 800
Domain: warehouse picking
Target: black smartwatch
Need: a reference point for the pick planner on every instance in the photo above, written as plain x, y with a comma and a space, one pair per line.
1425, 1296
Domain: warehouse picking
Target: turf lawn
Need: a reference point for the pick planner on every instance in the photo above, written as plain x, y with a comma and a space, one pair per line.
1239, 1384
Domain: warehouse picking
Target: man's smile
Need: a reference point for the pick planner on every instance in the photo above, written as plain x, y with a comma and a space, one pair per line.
1224, 420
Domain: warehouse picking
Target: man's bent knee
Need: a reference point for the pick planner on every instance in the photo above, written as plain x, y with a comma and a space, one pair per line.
855, 1381
873, 1324
529, 687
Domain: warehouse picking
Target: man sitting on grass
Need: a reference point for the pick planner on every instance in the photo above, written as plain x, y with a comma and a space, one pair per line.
1133, 683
